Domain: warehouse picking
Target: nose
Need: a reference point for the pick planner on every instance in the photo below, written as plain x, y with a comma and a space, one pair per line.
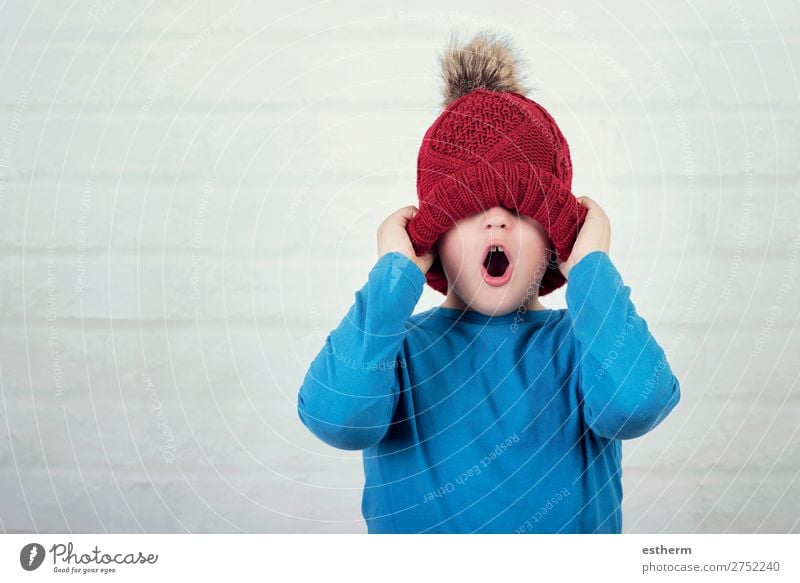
496, 217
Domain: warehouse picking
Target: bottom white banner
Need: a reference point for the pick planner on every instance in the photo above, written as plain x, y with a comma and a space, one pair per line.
388, 558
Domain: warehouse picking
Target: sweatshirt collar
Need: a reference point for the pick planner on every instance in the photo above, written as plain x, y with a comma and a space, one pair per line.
519, 316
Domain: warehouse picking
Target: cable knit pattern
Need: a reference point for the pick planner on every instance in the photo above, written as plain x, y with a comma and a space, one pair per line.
487, 149
484, 122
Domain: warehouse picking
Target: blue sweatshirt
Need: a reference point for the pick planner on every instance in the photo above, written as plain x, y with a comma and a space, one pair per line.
477, 424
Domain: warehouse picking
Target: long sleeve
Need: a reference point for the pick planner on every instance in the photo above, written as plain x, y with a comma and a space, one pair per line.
625, 380
349, 394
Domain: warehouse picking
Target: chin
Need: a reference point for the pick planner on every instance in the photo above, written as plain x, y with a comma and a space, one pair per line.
496, 301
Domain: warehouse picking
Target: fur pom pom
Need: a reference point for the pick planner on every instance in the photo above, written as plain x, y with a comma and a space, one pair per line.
487, 61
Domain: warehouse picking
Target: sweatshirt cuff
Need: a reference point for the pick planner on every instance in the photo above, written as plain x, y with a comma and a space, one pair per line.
400, 267
594, 283
395, 284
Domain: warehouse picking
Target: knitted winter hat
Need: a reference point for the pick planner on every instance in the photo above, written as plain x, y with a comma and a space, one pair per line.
492, 146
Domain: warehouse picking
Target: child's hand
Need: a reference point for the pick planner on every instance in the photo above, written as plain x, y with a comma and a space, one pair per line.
595, 234
393, 236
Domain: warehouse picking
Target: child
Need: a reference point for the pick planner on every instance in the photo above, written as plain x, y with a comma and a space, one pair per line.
490, 413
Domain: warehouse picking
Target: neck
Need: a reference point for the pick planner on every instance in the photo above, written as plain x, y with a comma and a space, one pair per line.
454, 301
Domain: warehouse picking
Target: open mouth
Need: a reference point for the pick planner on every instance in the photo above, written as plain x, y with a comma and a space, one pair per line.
496, 268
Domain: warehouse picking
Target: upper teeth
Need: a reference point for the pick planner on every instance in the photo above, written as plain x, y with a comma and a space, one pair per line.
495, 248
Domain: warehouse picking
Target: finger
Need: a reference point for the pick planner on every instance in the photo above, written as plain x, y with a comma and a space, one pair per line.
401, 216
593, 211
594, 207
407, 212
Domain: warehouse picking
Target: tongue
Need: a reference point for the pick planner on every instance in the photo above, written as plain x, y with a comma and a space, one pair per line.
496, 263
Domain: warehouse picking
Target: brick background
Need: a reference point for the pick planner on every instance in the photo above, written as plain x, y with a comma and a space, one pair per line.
189, 193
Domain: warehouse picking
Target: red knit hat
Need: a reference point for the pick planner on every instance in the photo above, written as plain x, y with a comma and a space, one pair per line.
492, 146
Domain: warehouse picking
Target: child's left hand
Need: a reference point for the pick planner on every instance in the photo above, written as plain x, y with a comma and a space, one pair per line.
595, 234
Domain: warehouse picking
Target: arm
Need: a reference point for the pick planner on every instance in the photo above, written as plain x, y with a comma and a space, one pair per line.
625, 380
350, 392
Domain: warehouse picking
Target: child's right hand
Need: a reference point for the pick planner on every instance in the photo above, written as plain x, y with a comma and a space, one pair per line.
393, 236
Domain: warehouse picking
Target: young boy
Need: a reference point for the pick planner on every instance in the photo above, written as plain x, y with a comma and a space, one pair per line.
490, 413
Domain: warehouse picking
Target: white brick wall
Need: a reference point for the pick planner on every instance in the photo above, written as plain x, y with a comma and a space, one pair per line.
189, 194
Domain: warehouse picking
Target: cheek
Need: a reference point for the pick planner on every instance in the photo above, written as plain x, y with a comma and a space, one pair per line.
451, 251
536, 238
535, 248
450, 255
